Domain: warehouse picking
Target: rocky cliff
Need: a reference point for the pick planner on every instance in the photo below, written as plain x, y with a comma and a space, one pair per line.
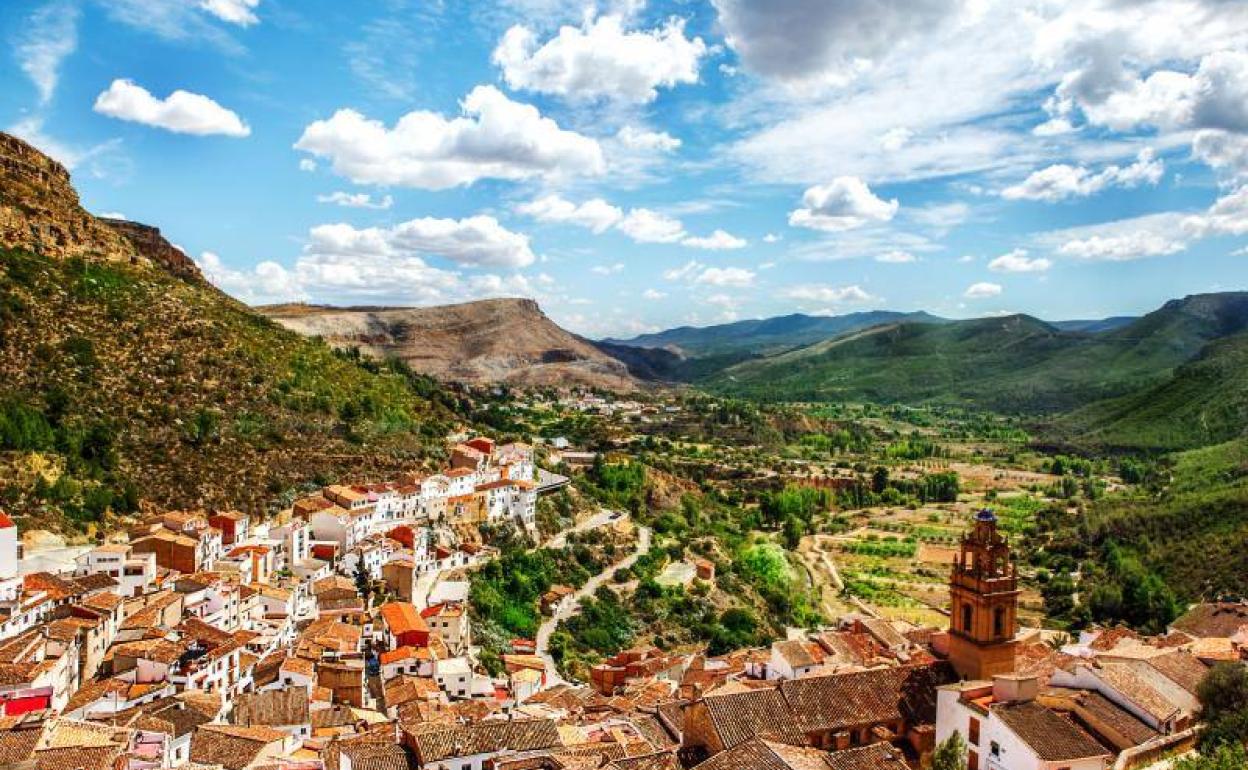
40, 212
497, 340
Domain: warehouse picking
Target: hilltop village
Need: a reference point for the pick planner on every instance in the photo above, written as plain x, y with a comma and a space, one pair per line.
338, 636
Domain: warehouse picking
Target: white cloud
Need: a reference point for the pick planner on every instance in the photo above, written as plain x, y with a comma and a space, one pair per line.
896, 257
686, 271
823, 293
356, 200
98, 159
307, 164
240, 12
653, 294
734, 277
1060, 181
982, 290
496, 138
112, 215
635, 138
772, 238
1227, 216
182, 112
895, 138
267, 282
608, 269
475, 241
805, 40
716, 241
600, 60
1222, 151
49, 36
966, 259
1017, 261
941, 217
648, 226
721, 300
844, 204
1120, 240
595, 214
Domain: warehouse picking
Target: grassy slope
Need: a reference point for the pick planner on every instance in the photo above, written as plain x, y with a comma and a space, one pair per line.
1204, 402
185, 394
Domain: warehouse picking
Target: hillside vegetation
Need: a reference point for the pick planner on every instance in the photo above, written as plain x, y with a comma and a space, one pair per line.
1013, 364
123, 382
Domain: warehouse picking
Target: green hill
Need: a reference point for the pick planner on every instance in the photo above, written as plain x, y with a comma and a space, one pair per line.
129, 378
1011, 364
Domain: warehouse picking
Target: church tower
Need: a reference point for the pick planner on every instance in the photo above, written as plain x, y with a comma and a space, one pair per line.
984, 609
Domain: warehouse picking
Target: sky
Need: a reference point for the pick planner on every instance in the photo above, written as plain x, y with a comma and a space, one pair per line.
639, 165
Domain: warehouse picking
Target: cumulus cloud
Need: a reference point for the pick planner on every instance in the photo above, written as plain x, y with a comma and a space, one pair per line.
635, 138
1224, 152
600, 60
804, 40
1227, 216
823, 293
594, 214
240, 12
49, 36
734, 277
716, 241
618, 267
648, 226
1121, 248
356, 200
653, 294
265, 283
844, 204
182, 112
772, 238
1017, 261
495, 138
982, 290
478, 241
1061, 181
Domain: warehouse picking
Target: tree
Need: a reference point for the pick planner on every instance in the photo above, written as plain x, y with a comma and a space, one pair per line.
1224, 757
362, 582
1223, 695
950, 754
879, 479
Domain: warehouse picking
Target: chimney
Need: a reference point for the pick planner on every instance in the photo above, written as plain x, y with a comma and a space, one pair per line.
1015, 688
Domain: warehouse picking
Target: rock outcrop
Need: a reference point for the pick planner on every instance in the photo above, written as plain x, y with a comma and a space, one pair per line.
489, 341
40, 212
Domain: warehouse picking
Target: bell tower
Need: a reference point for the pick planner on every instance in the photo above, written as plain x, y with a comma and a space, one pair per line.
983, 614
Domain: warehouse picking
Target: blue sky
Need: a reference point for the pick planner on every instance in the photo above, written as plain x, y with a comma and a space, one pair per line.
637, 165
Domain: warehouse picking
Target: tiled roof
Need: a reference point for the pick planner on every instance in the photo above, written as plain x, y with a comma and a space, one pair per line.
878, 756
402, 618
1182, 668
378, 756
1220, 619
659, 760
794, 653
1052, 737
97, 582
234, 748
739, 716
435, 743
18, 744
76, 757
838, 701
1138, 684
1113, 716
758, 754
275, 708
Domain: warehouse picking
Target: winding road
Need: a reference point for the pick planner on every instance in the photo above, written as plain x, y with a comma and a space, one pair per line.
572, 604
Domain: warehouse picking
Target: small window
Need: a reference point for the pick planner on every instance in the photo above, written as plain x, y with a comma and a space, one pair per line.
967, 613
994, 749
973, 732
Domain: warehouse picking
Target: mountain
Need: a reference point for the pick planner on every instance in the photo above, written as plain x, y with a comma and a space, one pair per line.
1095, 325
1015, 364
479, 343
766, 335
128, 377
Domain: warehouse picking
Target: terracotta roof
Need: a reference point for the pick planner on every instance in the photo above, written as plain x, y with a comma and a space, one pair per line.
56, 588
19, 744
659, 760
402, 618
76, 757
1052, 737
758, 754
1182, 668
794, 653
234, 748
375, 755
434, 743
1139, 685
838, 701
737, 717
878, 756
1220, 619
1115, 717
102, 601
275, 708
158, 650
97, 582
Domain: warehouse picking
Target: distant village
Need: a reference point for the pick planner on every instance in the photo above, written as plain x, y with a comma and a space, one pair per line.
209, 640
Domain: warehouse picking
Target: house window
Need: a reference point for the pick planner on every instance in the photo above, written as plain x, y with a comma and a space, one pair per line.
994, 749
966, 617
973, 732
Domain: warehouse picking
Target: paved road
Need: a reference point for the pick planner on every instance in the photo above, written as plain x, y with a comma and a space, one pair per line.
571, 605
602, 518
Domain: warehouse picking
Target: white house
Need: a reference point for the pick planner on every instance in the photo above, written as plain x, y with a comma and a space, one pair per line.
1005, 728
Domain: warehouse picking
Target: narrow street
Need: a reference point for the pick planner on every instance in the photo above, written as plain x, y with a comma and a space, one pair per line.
572, 604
